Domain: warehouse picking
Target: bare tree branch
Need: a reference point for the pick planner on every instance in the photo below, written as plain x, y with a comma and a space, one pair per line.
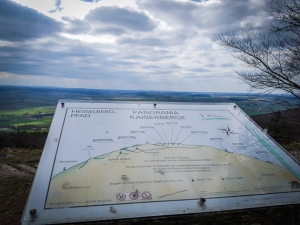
272, 57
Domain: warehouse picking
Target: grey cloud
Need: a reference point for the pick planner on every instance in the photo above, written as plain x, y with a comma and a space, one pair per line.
199, 0
110, 20
209, 18
161, 39
121, 17
227, 65
198, 70
174, 12
210, 65
113, 30
70, 58
90, 0
145, 53
141, 48
76, 26
57, 7
229, 14
153, 67
19, 23
58, 3
142, 41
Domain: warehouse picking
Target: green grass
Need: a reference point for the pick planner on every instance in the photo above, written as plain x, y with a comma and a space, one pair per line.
30, 111
23, 117
253, 113
45, 121
21, 121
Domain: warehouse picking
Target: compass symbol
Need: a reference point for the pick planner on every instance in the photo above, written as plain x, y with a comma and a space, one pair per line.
227, 130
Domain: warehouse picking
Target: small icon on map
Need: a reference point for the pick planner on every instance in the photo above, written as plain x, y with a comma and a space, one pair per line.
121, 196
124, 177
295, 184
227, 130
146, 195
134, 195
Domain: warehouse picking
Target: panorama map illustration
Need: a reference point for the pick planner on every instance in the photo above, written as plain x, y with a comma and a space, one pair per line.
119, 156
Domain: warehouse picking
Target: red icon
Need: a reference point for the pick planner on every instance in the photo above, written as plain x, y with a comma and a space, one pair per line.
133, 195
121, 196
146, 195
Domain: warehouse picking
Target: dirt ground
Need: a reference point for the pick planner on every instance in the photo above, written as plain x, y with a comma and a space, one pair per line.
18, 166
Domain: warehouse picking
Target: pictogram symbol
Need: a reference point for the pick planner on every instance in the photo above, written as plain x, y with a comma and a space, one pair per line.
121, 196
146, 195
227, 130
133, 195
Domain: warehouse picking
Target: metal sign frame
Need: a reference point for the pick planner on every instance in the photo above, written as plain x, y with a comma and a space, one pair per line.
139, 203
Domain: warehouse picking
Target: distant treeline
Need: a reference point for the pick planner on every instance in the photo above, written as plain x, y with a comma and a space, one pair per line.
23, 139
282, 126
24, 128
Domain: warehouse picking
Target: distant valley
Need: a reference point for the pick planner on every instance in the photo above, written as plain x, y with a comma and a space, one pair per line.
32, 108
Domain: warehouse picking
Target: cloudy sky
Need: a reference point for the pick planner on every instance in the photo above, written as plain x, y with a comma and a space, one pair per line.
123, 44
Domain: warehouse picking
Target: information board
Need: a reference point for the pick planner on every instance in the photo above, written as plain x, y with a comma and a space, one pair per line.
112, 160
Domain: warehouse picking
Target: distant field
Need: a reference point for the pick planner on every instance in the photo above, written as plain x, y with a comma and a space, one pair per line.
21, 121
32, 108
29, 119
29, 111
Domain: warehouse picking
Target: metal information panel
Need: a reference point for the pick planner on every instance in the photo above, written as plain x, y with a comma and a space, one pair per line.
108, 160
